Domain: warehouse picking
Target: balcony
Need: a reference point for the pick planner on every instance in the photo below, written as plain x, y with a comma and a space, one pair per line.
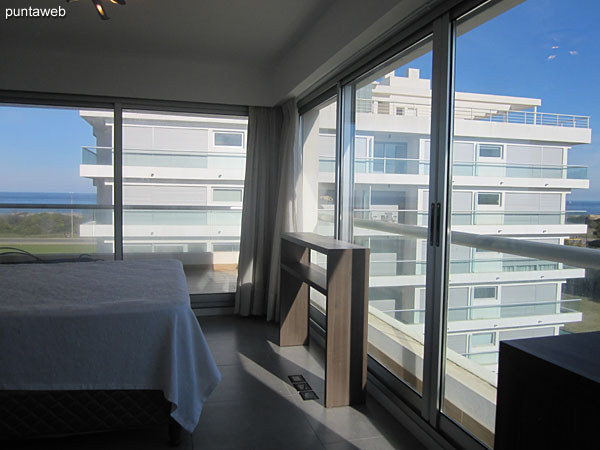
370, 106
205, 239
500, 311
164, 164
463, 266
467, 217
407, 166
396, 334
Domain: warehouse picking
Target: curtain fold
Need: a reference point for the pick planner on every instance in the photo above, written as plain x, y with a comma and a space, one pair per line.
269, 206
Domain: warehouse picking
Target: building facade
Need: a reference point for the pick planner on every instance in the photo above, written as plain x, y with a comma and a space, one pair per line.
183, 179
511, 178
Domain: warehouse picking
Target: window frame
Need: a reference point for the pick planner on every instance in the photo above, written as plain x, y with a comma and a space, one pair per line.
230, 132
481, 157
489, 205
214, 189
439, 22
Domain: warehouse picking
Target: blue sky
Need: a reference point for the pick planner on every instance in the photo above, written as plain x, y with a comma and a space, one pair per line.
40, 150
545, 49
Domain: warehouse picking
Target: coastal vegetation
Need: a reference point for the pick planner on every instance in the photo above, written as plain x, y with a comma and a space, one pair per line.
40, 224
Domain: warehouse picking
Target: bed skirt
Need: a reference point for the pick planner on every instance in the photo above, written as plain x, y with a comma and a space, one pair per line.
41, 414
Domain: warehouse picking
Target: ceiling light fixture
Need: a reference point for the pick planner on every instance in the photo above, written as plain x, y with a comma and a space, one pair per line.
100, 7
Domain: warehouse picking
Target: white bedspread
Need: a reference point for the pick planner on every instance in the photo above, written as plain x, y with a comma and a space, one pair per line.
104, 325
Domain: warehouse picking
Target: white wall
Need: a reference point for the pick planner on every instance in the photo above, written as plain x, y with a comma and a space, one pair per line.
110, 74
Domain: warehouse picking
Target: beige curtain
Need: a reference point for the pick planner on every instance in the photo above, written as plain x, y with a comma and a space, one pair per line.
269, 206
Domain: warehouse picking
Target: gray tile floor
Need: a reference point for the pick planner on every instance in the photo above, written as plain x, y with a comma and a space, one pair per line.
256, 407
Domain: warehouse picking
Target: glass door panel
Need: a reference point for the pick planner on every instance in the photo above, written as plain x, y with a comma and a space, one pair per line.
183, 179
319, 192
521, 130
390, 205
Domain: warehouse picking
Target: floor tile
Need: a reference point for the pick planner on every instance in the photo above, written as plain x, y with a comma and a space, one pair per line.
375, 443
272, 423
337, 424
246, 381
225, 351
257, 407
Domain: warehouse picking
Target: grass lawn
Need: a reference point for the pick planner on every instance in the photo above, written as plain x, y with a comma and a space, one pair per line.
591, 315
50, 248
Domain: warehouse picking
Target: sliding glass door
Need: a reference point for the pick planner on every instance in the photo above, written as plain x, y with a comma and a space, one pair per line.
521, 130
183, 181
463, 149
390, 198
318, 196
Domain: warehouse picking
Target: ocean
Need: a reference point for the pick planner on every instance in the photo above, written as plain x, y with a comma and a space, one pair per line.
45, 198
586, 207
75, 198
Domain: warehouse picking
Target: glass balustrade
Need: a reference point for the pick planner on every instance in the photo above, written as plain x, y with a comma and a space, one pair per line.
467, 169
167, 158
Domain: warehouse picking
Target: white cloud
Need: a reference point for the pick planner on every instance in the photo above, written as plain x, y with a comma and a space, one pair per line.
573, 52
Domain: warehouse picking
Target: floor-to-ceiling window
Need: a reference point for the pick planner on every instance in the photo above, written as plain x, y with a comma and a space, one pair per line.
522, 128
88, 182
319, 196
183, 180
391, 179
472, 173
50, 204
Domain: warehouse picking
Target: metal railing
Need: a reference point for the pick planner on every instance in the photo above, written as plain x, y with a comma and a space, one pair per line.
409, 166
475, 114
573, 256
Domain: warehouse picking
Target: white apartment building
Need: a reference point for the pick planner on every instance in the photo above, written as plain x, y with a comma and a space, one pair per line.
510, 178
183, 187
183, 178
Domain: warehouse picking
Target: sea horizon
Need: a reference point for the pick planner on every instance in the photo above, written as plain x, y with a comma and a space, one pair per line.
67, 198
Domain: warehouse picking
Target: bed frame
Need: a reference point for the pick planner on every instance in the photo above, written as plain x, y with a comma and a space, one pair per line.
28, 415
43, 414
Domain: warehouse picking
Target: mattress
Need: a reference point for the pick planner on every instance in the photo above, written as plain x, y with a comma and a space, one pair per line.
104, 325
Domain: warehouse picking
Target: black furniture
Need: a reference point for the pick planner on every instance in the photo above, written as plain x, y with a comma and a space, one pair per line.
549, 393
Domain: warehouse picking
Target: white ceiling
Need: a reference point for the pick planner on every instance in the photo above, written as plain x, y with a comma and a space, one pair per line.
248, 30
225, 51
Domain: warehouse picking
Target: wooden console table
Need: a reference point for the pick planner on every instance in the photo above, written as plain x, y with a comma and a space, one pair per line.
345, 284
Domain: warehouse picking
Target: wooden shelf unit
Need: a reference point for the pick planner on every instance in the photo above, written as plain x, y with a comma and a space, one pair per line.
345, 284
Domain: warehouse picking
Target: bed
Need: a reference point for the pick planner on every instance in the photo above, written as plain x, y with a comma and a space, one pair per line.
121, 332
